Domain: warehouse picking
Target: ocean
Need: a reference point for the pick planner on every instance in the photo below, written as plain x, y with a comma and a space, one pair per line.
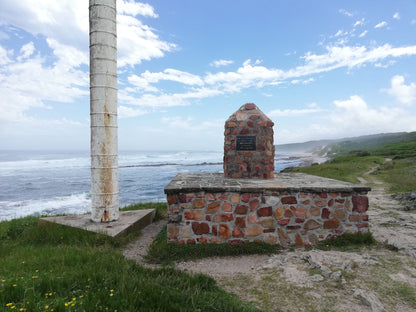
53, 182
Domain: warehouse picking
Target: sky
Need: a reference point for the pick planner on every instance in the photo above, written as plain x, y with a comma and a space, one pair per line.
319, 69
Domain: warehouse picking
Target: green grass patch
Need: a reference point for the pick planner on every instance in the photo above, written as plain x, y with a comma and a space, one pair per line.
161, 210
347, 241
162, 252
399, 174
344, 168
63, 269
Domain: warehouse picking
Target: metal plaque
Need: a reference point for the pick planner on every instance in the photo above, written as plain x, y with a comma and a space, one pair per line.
246, 143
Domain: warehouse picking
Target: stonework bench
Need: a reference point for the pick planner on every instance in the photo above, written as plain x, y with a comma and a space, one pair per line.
291, 209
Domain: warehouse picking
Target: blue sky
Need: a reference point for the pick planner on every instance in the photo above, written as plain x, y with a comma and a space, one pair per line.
318, 69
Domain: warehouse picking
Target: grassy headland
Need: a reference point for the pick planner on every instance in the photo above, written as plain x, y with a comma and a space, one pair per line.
399, 171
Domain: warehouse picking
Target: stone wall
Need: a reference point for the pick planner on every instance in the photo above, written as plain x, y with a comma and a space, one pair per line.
288, 218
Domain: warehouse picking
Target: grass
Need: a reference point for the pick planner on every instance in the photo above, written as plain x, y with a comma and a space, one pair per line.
347, 242
163, 253
345, 168
53, 268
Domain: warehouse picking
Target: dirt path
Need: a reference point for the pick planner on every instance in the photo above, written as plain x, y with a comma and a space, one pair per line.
368, 280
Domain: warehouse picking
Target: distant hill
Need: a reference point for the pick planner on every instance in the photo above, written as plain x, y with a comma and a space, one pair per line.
332, 148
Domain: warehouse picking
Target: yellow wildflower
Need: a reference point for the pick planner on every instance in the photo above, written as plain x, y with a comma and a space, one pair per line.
46, 307
9, 304
14, 285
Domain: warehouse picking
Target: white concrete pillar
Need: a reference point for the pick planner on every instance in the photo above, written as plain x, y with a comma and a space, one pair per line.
103, 110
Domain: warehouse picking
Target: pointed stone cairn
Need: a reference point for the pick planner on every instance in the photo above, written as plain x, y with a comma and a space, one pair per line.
248, 144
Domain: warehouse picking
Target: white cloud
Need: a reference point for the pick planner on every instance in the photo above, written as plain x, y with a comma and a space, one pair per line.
351, 117
4, 56
359, 23
220, 63
293, 112
381, 24
27, 83
173, 75
345, 12
125, 112
26, 51
251, 75
363, 33
396, 15
135, 8
405, 94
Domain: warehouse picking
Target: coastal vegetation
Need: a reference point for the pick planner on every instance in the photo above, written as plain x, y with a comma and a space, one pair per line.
53, 268
393, 163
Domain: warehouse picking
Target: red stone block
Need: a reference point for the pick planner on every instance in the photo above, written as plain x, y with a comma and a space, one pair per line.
254, 204
323, 195
340, 200
288, 213
207, 218
300, 212
262, 123
250, 106
283, 221
254, 117
360, 203
365, 217
293, 227
200, 228
227, 207
171, 199
214, 230
224, 231
223, 197
240, 222
182, 198
191, 241
250, 124
202, 240
289, 200
362, 225
211, 196
213, 207
354, 218
238, 233
245, 198
268, 230
320, 202
311, 225
298, 240
245, 131
299, 220
241, 209
198, 203
257, 167
265, 212
325, 213
345, 194
331, 224
256, 195
331, 202
223, 217
197, 215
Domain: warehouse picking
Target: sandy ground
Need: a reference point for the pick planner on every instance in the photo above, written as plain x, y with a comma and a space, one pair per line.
367, 280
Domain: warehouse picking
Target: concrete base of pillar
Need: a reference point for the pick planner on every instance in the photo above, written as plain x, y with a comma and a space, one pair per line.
129, 221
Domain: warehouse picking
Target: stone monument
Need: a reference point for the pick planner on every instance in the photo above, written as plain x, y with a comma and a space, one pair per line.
250, 203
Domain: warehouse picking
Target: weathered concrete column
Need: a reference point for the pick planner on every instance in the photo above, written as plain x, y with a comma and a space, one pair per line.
103, 109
